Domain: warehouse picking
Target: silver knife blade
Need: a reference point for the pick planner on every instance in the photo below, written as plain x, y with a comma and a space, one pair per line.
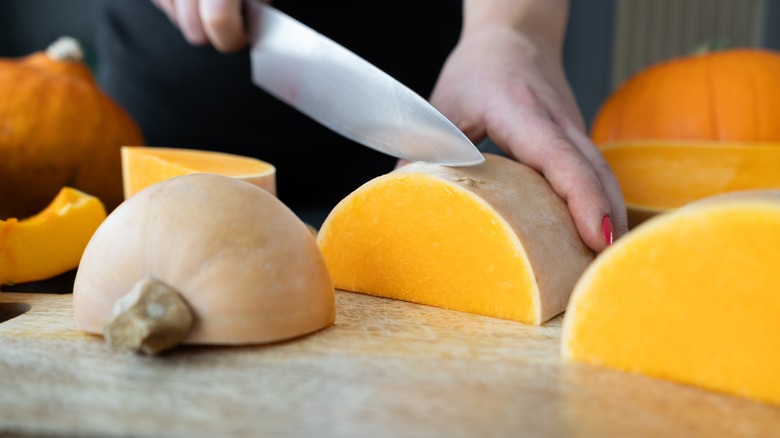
348, 94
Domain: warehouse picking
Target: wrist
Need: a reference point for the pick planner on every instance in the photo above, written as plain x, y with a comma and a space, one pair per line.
543, 22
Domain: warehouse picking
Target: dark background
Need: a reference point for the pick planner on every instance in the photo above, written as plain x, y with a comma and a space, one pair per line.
30, 25
589, 58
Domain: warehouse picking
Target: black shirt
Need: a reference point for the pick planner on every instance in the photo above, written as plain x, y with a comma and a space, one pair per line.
194, 97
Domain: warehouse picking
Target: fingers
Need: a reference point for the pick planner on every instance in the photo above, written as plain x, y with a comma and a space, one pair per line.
189, 22
570, 120
223, 24
168, 7
215, 22
507, 87
533, 138
607, 178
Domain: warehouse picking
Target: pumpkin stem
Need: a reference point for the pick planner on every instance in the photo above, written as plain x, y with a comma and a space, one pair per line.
711, 45
151, 318
65, 49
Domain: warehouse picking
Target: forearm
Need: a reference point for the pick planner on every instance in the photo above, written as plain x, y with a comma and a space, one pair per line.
542, 20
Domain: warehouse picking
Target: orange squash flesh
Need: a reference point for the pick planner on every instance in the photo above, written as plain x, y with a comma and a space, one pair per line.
493, 240
691, 296
51, 242
656, 176
144, 166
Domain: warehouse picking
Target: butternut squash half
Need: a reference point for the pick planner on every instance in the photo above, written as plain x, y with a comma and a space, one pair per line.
245, 266
692, 296
493, 240
660, 175
51, 242
143, 166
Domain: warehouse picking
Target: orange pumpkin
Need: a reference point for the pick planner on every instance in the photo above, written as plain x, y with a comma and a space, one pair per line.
58, 129
730, 95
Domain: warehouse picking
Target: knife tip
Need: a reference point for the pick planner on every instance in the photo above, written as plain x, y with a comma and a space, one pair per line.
462, 163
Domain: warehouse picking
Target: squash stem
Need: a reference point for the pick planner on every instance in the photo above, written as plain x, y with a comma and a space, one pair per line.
65, 49
151, 318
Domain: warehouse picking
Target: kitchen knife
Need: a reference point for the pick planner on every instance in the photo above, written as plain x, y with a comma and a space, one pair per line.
347, 94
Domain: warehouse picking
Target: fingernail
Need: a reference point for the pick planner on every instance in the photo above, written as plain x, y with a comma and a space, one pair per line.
606, 229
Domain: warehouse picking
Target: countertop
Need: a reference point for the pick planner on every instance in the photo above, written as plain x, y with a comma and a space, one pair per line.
385, 368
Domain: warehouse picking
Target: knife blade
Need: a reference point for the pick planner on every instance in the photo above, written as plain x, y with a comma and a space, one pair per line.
347, 94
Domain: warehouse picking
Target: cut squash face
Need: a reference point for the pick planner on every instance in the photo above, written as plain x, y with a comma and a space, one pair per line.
691, 296
657, 176
492, 240
51, 242
144, 166
411, 265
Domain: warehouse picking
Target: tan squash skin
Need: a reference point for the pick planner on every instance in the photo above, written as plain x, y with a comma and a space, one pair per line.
531, 209
57, 128
246, 265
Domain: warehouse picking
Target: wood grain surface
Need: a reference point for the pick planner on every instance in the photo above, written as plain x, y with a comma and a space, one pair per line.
386, 368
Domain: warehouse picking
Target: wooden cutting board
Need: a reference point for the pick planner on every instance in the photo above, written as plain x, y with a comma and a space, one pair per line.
385, 368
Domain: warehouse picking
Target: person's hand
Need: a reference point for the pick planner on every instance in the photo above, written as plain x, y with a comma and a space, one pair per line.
501, 84
202, 22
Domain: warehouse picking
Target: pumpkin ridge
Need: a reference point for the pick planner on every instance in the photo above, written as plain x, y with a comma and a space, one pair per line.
717, 125
709, 96
57, 128
757, 95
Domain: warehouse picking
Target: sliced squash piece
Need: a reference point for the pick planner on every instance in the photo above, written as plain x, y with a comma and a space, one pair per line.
249, 271
143, 166
691, 296
658, 175
51, 242
493, 240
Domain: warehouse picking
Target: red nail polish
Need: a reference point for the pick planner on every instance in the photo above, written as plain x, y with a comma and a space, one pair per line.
606, 229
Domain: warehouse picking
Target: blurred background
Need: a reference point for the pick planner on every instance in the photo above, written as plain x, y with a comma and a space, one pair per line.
607, 40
